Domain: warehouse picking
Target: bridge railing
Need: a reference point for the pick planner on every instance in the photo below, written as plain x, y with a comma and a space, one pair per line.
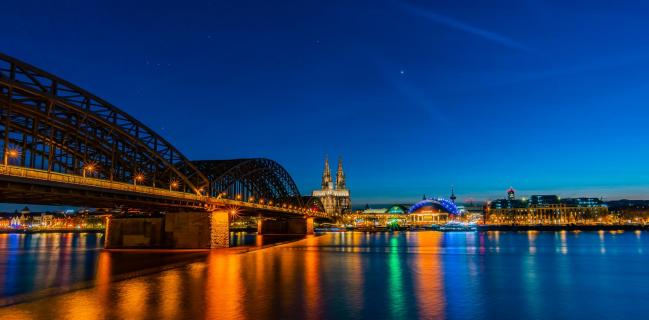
296, 211
49, 176
37, 174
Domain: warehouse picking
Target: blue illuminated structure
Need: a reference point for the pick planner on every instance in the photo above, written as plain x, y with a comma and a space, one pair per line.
446, 204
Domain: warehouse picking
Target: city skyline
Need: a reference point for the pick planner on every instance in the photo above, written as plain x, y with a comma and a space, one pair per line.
546, 108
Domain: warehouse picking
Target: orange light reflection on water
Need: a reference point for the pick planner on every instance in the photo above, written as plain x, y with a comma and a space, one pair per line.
429, 278
223, 290
312, 280
286, 281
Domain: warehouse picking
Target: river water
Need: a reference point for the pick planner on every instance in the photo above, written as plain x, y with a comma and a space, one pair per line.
401, 275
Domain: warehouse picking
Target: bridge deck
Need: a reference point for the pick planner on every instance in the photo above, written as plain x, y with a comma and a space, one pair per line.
182, 199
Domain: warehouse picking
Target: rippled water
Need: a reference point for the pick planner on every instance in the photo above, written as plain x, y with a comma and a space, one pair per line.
405, 275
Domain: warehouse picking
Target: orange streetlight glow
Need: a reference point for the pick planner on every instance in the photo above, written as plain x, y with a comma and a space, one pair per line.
10, 153
13, 153
90, 167
139, 177
233, 211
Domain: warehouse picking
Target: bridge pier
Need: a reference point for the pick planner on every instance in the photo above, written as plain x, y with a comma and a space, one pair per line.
176, 230
219, 229
289, 226
146, 232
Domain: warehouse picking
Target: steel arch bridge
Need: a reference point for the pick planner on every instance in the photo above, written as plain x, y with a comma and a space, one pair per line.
259, 179
55, 135
53, 125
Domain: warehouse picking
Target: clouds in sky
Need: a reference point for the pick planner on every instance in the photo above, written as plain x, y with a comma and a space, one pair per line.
464, 27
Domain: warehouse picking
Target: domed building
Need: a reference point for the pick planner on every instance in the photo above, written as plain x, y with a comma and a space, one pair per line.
432, 211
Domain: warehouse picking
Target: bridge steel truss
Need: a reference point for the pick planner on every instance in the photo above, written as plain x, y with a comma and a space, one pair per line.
50, 124
256, 179
60, 144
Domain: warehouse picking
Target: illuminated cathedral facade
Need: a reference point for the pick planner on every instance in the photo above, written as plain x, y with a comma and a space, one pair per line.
334, 195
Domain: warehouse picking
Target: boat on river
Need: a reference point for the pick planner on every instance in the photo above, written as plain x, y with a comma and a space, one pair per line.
458, 226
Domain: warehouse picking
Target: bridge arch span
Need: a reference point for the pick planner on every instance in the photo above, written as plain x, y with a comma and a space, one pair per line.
259, 178
313, 203
50, 124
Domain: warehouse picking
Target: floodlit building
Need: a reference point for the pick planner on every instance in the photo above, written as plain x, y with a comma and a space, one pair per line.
432, 211
545, 209
335, 198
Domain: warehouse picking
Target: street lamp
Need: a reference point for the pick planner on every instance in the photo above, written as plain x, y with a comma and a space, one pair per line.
234, 211
139, 177
10, 153
89, 167
173, 185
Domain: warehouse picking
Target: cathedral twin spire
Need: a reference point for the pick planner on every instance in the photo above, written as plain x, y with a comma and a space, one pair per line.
327, 182
340, 176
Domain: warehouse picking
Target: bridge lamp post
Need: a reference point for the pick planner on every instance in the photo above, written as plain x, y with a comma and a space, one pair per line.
173, 185
10, 154
238, 197
261, 201
138, 178
90, 167
251, 199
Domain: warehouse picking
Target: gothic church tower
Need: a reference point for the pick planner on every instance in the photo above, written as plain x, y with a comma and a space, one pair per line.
336, 200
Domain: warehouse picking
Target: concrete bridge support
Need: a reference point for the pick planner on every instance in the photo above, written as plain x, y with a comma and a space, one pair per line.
309, 226
285, 226
219, 229
176, 230
134, 233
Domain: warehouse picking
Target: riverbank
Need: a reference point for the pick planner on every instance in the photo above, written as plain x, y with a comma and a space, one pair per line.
34, 231
492, 227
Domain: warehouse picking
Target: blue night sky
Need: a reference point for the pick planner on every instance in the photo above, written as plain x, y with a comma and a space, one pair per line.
545, 96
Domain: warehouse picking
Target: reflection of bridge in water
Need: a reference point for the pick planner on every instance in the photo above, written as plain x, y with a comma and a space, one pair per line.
61, 145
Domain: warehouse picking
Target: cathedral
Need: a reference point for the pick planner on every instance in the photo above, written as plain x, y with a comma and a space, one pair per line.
336, 199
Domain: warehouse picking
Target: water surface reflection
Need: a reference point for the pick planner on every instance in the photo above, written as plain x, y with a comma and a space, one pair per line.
402, 275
